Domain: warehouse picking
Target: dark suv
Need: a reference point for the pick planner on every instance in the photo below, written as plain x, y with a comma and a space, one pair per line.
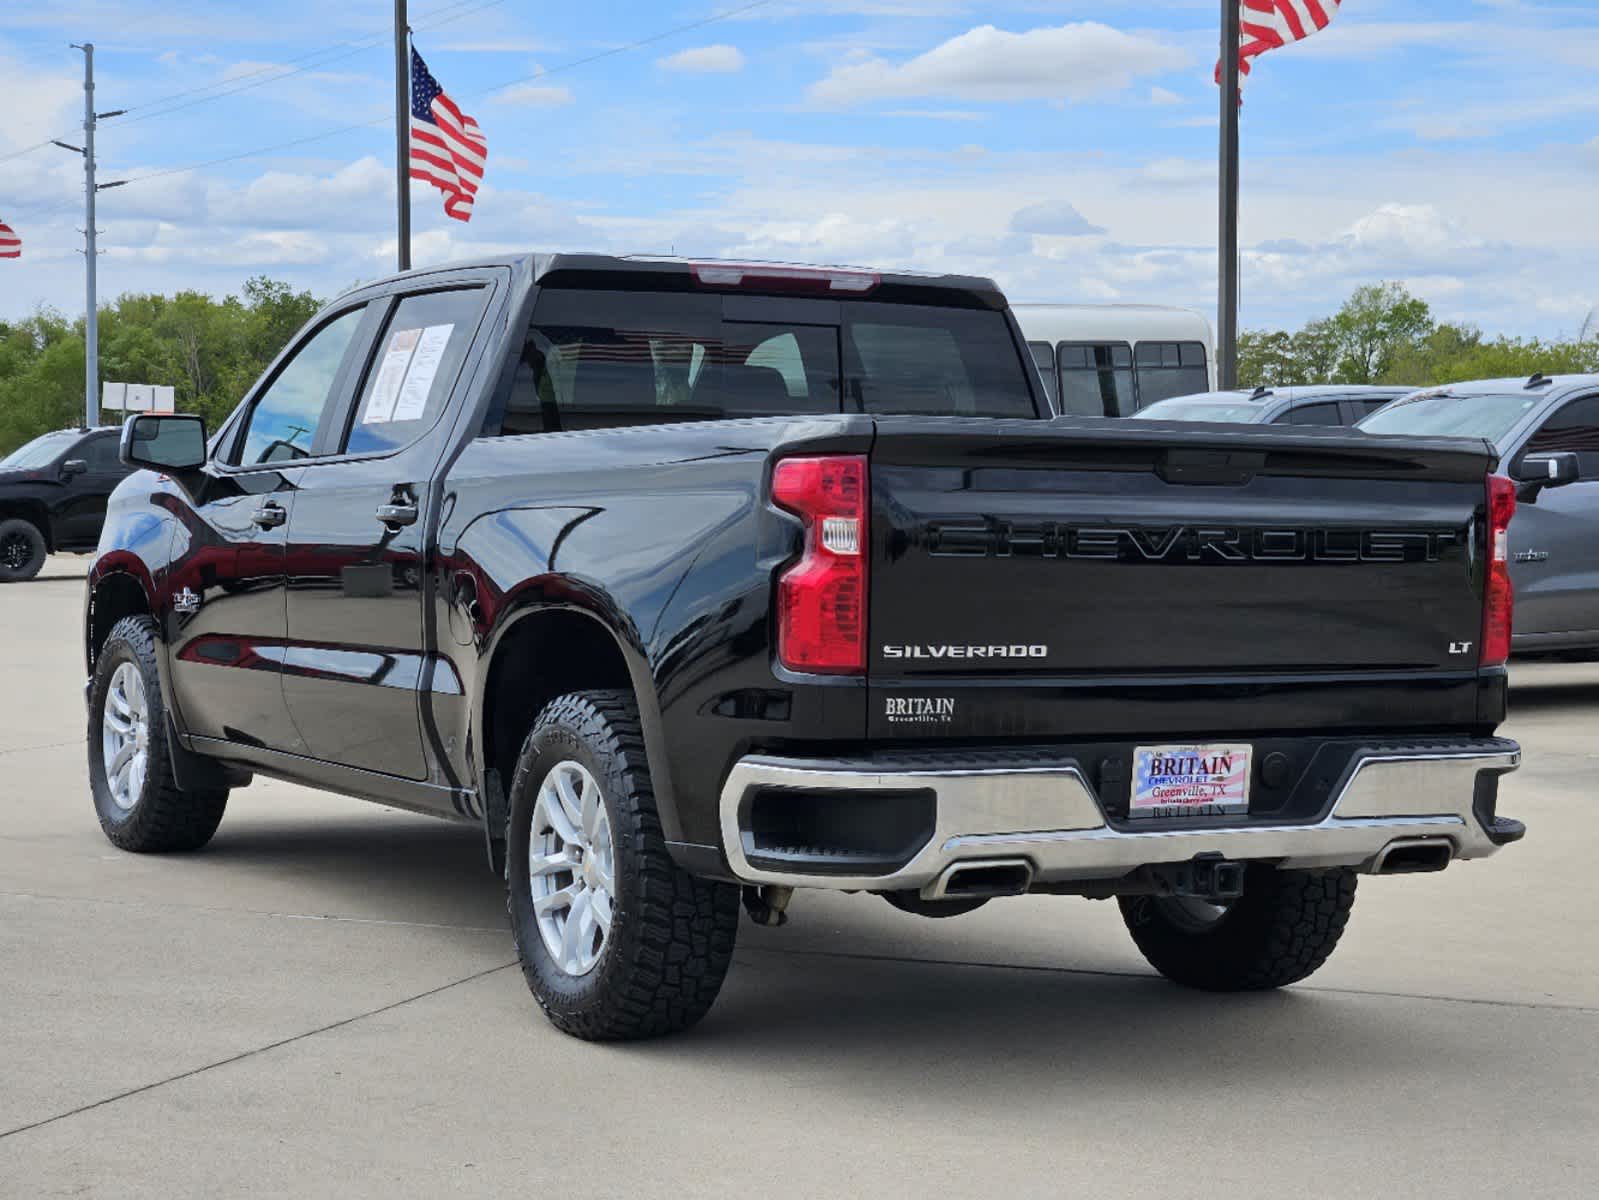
53, 492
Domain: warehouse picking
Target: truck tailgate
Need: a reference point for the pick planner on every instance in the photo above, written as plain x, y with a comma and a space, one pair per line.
1160, 570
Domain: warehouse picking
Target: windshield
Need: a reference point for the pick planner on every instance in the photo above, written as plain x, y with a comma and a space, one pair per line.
1443, 415
39, 452
1201, 410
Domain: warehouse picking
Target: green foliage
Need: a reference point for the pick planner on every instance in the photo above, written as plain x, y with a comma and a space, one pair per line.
209, 350
1383, 334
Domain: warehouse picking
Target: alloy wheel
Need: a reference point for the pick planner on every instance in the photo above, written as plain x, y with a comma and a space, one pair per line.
572, 867
125, 736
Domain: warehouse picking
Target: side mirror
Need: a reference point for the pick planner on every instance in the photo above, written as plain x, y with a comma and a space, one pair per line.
164, 443
73, 466
1538, 471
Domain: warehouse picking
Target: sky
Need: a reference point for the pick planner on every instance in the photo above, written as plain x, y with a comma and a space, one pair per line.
1067, 149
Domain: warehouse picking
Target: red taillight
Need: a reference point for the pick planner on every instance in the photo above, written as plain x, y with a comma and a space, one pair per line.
1497, 593
821, 599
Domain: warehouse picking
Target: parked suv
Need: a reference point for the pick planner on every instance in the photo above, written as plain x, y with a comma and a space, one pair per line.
1546, 432
53, 493
1309, 404
693, 581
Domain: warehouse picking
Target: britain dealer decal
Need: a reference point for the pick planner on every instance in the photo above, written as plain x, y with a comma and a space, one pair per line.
919, 710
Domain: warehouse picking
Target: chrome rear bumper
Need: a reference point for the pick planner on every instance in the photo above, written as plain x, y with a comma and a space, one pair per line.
1050, 816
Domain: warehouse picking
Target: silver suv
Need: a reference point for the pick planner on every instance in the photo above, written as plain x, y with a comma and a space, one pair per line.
1546, 430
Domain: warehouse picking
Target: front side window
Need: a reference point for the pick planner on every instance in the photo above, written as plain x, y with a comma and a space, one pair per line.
283, 424
1096, 379
1167, 369
418, 358
101, 454
1574, 428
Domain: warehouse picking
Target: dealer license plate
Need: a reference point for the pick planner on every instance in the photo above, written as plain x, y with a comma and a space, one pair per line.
1190, 781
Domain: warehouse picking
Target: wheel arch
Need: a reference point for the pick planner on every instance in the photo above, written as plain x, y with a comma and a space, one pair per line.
544, 651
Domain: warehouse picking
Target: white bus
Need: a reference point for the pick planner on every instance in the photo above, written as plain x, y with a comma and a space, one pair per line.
1110, 360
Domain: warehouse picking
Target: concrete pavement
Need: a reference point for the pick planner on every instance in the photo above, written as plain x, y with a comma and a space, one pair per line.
324, 1003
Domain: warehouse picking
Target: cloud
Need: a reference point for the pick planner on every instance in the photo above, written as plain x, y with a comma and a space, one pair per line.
1163, 97
704, 60
1057, 219
1073, 62
533, 95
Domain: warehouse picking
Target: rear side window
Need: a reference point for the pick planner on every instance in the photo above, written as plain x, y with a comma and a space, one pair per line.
1313, 414
1167, 369
602, 359
416, 364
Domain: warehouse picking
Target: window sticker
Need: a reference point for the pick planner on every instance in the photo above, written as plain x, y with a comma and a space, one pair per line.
413, 399
380, 406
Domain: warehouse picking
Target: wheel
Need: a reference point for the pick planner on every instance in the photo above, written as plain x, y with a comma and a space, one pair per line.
22, 550
1278, 932
140, 806
616, 940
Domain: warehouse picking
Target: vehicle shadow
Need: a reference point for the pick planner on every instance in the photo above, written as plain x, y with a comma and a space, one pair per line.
874, 1014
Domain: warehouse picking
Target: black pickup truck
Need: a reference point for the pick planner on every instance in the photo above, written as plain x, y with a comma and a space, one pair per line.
693, 581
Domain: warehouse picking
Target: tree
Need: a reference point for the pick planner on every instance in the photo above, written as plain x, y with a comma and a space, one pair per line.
210, 351
1377, 323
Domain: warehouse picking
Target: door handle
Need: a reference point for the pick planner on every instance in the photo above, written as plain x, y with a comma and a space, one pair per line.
395, 515
269, 515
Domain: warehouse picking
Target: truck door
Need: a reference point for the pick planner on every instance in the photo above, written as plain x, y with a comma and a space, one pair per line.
1552, 561
357, 655
227, 580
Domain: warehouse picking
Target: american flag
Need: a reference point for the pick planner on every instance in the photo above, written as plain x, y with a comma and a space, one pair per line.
10, 242
1271, 24
448, 149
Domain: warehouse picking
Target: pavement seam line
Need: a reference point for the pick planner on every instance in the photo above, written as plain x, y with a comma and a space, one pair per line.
48, 746
1587, 1010
251, 1053
167, 906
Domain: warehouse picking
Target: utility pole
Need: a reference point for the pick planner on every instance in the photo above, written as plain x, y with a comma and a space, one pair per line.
1227, 290
402, 132
91, 315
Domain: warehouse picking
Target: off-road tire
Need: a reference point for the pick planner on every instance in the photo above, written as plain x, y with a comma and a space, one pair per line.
671, 936
1278, 932
24, 534
164, 817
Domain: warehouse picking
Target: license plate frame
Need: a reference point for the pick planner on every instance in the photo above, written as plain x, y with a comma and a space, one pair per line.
1188, 781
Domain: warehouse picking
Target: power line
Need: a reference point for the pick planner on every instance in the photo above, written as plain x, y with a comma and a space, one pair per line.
355, 47
639, 43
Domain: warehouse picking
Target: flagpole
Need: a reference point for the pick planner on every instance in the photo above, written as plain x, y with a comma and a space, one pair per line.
1227, 242
402, 133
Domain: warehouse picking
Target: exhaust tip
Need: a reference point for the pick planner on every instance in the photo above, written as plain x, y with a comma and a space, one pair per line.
1413, 856
991, 877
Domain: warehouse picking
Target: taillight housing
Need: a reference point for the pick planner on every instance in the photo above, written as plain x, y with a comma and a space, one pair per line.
1498, 597
821, 598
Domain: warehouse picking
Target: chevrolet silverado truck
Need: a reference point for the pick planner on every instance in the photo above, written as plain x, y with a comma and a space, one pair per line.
695, 583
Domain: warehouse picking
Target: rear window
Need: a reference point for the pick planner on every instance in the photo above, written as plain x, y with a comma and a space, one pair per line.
602, 359
1444, 415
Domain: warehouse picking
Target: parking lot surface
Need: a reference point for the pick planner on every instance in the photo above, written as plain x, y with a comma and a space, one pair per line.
325, 1002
